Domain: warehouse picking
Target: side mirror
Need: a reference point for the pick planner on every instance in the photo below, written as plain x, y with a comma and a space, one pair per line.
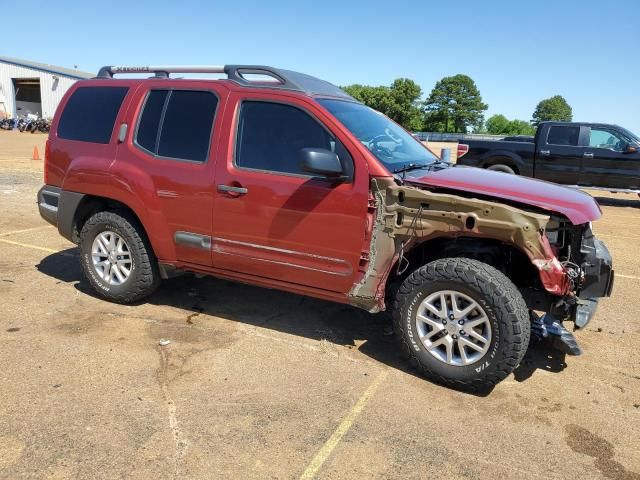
630, 148
321, 162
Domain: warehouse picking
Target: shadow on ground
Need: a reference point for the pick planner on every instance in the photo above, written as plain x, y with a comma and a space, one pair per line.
284, 312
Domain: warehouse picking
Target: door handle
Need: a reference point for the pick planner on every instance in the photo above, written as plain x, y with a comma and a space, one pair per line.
233, 190
545, 152
587, 155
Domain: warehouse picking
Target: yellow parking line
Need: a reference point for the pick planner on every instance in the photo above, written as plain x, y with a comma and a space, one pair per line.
35, 247
5, 234
343, 428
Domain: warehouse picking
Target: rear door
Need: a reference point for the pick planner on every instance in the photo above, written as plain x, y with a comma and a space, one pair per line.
559, 156
605, 163
173, 143
275, 221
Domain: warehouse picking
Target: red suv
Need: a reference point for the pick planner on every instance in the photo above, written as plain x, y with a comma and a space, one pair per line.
279, 179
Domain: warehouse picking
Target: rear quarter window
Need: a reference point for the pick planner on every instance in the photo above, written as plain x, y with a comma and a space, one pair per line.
90, 114
563, 135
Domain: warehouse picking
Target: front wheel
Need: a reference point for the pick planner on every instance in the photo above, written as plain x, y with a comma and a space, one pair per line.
117, 258
462, 323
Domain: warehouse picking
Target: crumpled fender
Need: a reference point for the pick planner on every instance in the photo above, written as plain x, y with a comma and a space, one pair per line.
406, 214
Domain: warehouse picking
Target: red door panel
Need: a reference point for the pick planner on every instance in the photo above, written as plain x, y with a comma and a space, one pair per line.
180, 191
288, 227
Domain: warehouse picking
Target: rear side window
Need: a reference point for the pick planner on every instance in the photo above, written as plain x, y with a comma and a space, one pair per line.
177, 124
563, 135
90, 114
150, 120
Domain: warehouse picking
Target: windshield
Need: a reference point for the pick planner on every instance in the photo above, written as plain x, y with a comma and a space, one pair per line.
388, 141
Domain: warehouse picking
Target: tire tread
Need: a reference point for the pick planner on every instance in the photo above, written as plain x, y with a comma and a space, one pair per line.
492, 283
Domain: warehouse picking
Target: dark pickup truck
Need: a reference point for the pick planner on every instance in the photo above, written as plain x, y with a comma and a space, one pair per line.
590, 155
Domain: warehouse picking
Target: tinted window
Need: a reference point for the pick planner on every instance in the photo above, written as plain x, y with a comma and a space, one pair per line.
90, 114
271, 135
187, 124
560, 135
150, 120
184, 128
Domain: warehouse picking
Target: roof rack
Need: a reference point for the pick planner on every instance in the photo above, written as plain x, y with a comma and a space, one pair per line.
282, 79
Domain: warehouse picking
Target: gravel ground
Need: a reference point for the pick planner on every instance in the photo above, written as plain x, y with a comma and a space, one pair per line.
262, 384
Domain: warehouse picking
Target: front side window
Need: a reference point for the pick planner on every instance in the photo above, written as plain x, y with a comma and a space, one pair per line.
563, 135
271, 136
599, 138
90, 114
177, 124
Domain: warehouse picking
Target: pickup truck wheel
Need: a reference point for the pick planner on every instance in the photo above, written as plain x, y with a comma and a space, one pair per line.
462, 323
116, 257
502, 168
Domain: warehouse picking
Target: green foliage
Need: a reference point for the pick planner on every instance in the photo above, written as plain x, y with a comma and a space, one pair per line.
501, 125
398, 101
454, 105
554, 109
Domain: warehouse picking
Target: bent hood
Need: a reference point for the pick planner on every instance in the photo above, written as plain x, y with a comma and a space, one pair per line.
577, 206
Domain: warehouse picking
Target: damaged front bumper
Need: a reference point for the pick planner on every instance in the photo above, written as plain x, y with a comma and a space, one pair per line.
598, 278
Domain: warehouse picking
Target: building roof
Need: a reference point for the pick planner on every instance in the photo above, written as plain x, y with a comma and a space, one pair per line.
65, 72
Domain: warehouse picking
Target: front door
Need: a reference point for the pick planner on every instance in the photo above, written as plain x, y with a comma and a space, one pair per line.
272, 219
605, 163
558, 156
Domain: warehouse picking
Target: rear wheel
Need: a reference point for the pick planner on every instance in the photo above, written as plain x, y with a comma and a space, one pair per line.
462, 323
502, 168
116, 257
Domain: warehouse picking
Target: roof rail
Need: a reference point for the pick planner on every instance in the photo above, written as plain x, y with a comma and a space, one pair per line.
159, 70
283, 79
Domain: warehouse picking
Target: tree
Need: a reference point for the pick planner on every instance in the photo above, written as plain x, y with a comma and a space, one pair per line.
454, 105
554, 109
501, 125
398, 101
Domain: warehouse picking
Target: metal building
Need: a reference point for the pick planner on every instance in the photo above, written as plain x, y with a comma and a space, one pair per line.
33, 88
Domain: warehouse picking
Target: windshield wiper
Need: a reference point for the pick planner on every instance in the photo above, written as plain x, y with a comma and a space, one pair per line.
412, 166
420, 166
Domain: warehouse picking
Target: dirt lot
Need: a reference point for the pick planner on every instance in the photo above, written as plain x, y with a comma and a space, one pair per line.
263, 384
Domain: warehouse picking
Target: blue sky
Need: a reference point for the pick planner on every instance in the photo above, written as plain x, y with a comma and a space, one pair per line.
517, 52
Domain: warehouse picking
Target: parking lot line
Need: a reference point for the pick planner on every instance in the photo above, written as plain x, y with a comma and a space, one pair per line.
627, 276
342, 429
33, 229
35, 247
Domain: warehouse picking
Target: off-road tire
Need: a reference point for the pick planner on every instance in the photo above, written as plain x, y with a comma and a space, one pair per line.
502, 303
144, 277
502, 168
